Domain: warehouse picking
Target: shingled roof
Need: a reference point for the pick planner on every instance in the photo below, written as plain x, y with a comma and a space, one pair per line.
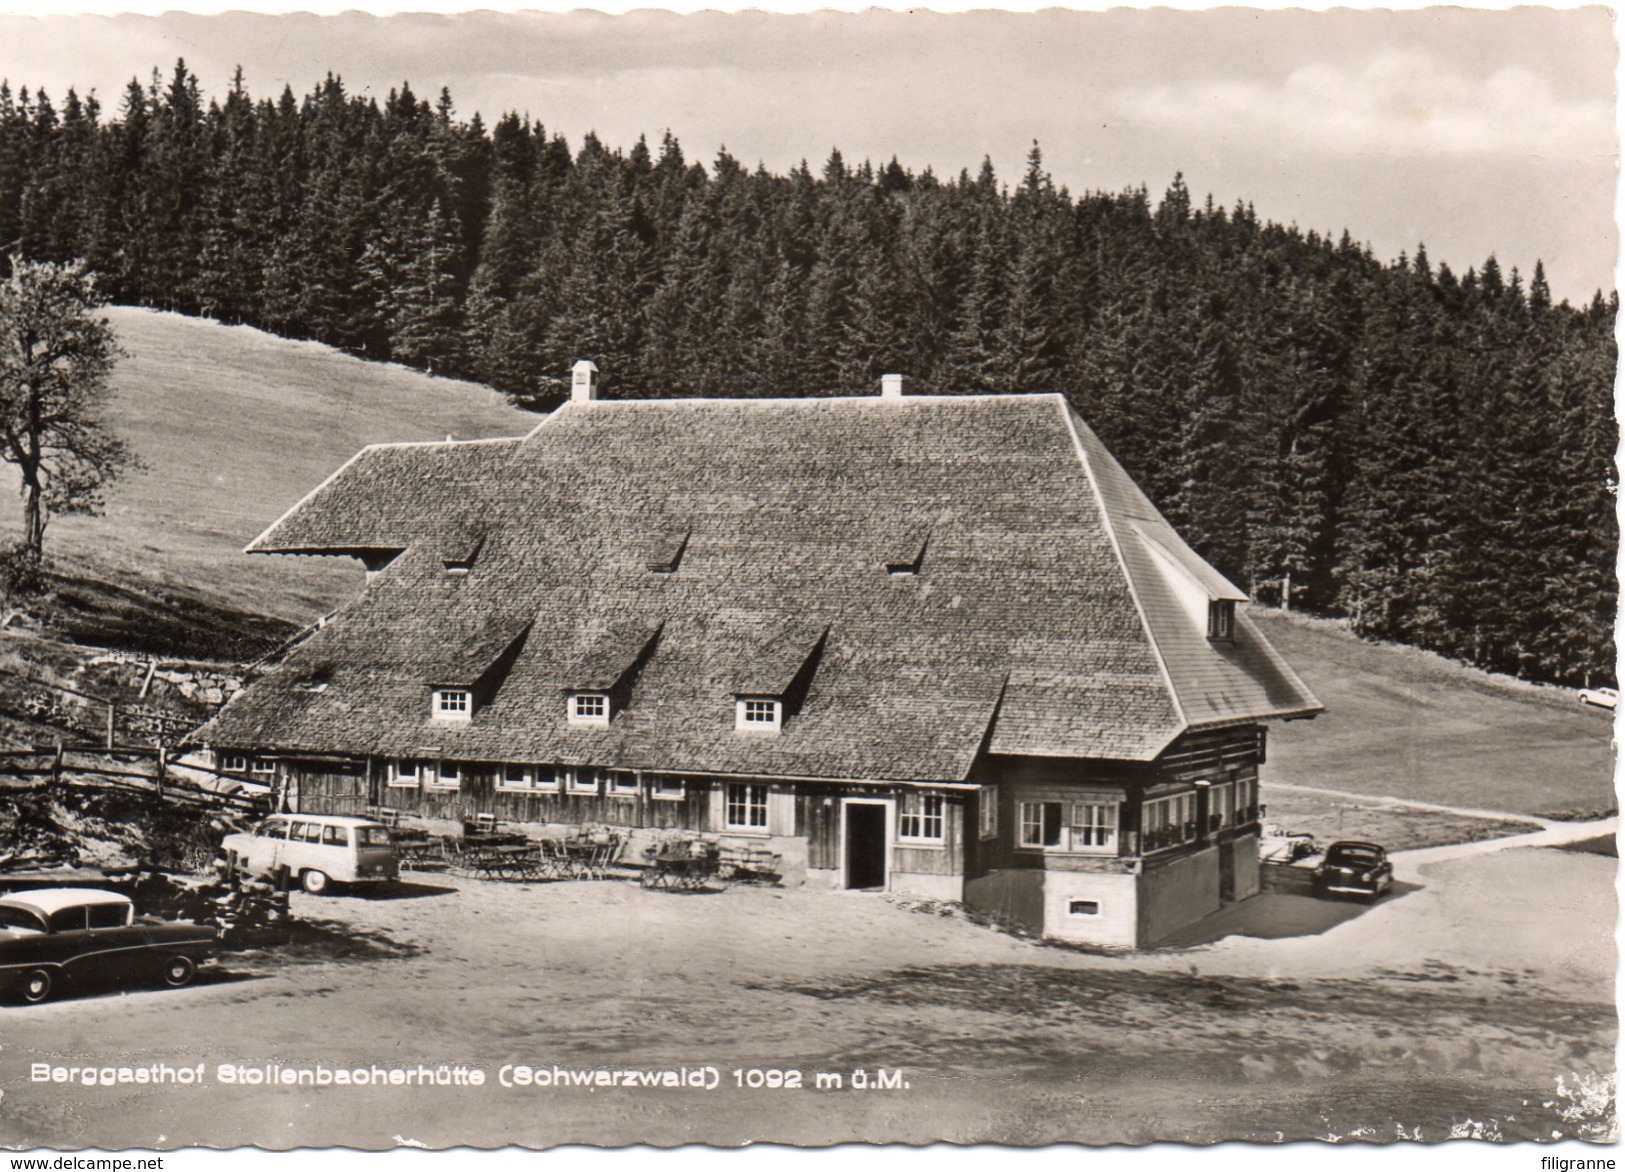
1046, 616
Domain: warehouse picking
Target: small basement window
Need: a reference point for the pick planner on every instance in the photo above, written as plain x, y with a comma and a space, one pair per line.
1221, 620
758, 714
588, 708
452, 704
1084, 907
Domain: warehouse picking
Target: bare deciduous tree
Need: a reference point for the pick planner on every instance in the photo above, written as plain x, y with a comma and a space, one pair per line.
56, 357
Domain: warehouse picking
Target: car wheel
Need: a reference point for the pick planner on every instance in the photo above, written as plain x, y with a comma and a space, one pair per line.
36, 986
315, 882
178, 971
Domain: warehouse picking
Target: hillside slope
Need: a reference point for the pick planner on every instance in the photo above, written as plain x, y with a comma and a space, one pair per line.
1411, 724
234, 426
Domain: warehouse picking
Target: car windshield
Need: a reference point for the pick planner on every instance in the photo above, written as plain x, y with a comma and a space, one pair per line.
372, 836
1352, 854
16, 919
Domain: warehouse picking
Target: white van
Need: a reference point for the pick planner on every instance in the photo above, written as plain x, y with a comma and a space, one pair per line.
317, 849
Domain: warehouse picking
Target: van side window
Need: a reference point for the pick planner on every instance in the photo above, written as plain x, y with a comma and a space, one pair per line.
273, 829
336, 835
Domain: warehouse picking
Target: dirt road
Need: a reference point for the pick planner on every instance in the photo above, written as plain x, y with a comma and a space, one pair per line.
1463, 999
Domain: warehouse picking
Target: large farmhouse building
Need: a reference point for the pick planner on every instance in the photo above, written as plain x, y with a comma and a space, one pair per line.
938, 644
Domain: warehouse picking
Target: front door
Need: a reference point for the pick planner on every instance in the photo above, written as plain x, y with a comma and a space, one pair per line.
865, 844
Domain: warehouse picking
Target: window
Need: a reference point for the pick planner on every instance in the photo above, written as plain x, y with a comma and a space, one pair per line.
109, 915
1094, 826
746, 807
589, 708
1247, 809
233, 763
987, 811
1221, 806
452, 704
670, 789
261, 765
402, 773
920, 818
516, 777
583, 781
1084, 907
1169, 821
1041, 824
335, 836
1221, 620
68, 919
758, 715
623, 783
447, 775
1077, 827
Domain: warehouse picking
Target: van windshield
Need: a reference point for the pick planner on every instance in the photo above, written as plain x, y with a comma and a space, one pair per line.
372, 836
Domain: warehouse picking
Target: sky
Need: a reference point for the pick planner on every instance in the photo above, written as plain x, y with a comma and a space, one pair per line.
1474, 131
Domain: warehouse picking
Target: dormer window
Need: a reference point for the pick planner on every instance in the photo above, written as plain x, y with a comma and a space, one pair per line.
1221, 620
452, 704
588, 708
764, 714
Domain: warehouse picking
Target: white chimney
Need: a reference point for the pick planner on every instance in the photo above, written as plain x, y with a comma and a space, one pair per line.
891, 386
583, 382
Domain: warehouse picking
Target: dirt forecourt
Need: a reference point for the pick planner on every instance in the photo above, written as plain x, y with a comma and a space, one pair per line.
1452, 1007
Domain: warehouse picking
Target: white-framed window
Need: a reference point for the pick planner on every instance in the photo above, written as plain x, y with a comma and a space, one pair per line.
920, 817
622, 782
446, 775
1094, 827
1086, 827
758, 714
262, 765
1221, 620
745, 807
583, 781
1221, 805
668, 789
234, 763
452, 704
401, 772
588, 708
513, 776
1167, 822
987, 811
1042, 824
1246, 800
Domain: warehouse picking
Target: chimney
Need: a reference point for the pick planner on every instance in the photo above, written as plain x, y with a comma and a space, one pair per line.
583, 382
892, 386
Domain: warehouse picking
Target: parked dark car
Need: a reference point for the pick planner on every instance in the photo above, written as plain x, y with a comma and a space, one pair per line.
80, 935
1354, 868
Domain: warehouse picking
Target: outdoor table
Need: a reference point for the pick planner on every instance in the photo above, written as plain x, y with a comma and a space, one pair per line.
513, 859
679, 870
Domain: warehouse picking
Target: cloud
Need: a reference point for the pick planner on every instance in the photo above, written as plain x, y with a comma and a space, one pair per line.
1400, 103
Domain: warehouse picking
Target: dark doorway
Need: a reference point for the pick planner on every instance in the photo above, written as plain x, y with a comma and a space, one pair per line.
865, 845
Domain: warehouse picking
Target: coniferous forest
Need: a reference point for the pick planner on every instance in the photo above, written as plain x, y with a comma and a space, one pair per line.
1429, 453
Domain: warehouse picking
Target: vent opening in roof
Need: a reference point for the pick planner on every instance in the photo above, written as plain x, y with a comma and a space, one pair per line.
665, 553
458, 558
908, 554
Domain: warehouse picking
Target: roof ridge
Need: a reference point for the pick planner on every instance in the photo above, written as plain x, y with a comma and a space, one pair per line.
779, 400
1073, 422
